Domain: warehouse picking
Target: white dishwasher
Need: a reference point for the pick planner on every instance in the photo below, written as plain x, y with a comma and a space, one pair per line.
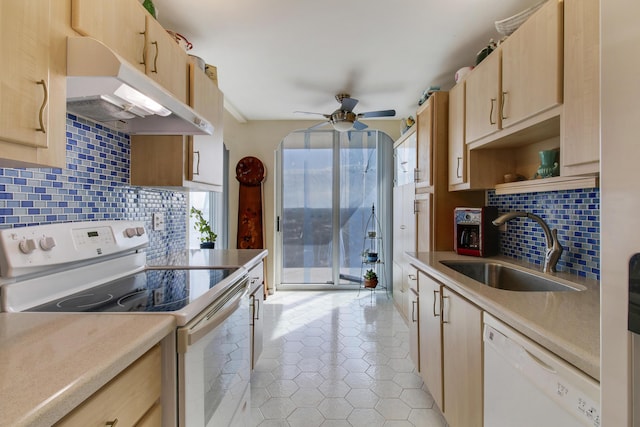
525, 385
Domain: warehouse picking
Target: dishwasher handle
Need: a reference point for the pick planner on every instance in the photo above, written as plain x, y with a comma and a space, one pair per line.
214, 316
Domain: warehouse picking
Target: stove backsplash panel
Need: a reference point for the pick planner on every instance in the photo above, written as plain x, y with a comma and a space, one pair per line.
93, 186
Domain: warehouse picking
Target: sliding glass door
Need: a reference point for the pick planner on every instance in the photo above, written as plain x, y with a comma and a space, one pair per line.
327, 183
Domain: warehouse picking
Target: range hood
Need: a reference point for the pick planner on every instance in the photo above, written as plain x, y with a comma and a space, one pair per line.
102, 86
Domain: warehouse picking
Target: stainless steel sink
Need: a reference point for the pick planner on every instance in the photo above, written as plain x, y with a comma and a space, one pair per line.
501, 276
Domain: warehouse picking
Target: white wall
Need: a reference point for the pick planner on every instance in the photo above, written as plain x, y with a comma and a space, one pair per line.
260, 139
620, 198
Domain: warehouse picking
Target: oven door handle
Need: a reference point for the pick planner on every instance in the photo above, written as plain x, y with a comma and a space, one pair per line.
213, 317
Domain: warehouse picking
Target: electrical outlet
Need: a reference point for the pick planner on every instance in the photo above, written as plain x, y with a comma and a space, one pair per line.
158, 296
158, 221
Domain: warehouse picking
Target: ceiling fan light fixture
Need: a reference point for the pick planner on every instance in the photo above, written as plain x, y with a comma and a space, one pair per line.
342, 121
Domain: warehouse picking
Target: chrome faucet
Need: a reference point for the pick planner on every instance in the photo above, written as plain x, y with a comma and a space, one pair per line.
554, 248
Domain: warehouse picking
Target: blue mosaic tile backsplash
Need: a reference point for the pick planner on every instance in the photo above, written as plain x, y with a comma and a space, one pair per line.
576, 215
93, 186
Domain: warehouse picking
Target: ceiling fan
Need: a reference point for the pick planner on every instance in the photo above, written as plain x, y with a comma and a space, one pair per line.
344, 119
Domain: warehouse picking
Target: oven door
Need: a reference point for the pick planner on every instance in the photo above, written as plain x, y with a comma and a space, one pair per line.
214, 362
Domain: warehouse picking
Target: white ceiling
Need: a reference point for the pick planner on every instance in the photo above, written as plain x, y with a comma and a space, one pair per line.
278, 56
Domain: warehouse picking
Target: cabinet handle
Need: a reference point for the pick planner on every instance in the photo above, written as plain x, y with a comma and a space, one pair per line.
253, 308
144, 49
491, 122
112, 423
504, 95
197, 171
155, 58
412, 276
435, 297
413, 311
43, 106
442, 308
458, 169
416, 209
416, 175
258, 309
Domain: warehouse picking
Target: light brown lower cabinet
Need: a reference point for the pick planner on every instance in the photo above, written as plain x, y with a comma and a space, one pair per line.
450, 331
130, 399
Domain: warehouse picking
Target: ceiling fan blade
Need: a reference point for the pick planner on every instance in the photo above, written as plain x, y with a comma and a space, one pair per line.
319, 125
381, 113
359, 125
348, 104
311, 112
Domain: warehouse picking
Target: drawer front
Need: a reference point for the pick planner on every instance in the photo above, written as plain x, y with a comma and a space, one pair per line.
256, 276
127, 398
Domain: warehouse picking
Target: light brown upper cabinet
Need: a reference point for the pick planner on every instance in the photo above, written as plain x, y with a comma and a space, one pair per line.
532, 66
33, 83
206, 151
457, 147
519, 81
431, 122
130, 31
483, 98
580, 140
167, 63
119, 24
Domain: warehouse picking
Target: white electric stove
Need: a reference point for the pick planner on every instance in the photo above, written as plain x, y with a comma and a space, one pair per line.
100, 267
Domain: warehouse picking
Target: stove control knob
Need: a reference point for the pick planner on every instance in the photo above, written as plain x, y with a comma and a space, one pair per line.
27, 246
139, 231
130, 232
47, 243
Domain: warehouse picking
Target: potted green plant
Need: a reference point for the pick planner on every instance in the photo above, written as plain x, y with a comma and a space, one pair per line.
370, 279
202, 226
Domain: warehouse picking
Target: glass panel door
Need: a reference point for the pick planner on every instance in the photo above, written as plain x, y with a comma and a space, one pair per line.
328, 183
306, 221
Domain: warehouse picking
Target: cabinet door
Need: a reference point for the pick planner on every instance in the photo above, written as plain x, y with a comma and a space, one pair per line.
257, 324
127, 398
24, 78
206, 151
414, 349
399, 292
119, 24
462, 355
204, 95
424, 219
532, 66
207, 159
398, 227
405, 160
430, 333
409, 218
167, 63
580, 143
158, 160
482, 98
457, 148
424, 152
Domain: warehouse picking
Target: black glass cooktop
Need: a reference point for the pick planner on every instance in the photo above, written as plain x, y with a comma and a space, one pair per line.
148, 290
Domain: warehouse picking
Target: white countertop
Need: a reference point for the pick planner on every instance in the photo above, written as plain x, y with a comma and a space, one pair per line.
566, 323
51, 362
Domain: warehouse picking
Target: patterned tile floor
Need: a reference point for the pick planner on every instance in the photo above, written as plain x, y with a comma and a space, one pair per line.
336, 358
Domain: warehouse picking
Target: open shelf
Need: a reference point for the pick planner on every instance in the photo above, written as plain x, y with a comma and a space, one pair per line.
555, 183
